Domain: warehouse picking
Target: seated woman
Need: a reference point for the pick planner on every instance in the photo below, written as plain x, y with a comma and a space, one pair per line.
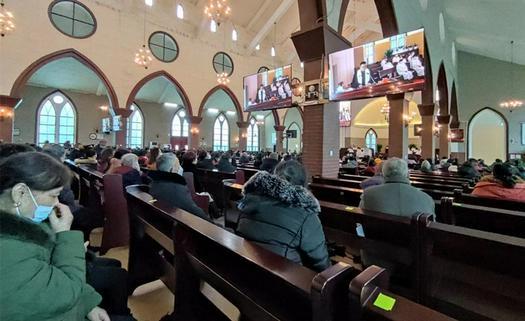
104, 161
43, 267
153, 154
371, 170
281, 215
501, 184
90, 157
169, 186
130, 170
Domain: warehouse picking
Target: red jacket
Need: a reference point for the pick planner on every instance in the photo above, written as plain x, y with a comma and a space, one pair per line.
491, 188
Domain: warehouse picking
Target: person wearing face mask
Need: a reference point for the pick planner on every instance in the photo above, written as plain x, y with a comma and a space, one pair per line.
42, 270
169, 185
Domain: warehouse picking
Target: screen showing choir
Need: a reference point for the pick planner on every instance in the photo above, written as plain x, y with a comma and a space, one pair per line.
268, 90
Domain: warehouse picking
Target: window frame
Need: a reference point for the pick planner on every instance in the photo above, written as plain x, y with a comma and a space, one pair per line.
182, 121
224, 54
57, 108
75, 2
263, 69
371, 130
221, 132
129, 129
164, 47
250, 138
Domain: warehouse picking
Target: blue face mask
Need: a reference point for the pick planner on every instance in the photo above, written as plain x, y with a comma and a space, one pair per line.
41, 212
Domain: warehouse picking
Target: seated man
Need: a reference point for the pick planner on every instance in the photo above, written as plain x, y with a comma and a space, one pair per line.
269, 163
169, 186
396, 196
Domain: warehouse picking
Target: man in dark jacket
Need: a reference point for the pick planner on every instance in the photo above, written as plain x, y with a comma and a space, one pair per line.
225, 164
171, 187
269, 163
205, 161
281, 215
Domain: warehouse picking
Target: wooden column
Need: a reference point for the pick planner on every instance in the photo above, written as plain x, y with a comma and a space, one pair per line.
397, 128
120, 137
279, 134
194, 138
427, 133
7, 117
243, 135
444, 141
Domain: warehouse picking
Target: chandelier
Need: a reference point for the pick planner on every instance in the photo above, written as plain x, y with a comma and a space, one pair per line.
143, 57
511, 104
223, 79
7, 19
217, 10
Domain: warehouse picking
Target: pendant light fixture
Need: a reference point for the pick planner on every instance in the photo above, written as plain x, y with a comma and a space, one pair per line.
511, 103
143, 56
7, 20
272, 51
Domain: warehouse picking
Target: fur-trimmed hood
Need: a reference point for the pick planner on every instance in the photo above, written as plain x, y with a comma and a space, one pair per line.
269, 185
16, 227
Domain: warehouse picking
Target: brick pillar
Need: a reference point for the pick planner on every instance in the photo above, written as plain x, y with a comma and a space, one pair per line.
397, 128
7, 117
194, 138
427, 133
444, 141
120, 137
279, 134
243, 135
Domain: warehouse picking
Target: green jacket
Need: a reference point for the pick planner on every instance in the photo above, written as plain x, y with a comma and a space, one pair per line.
42, 274
283, 218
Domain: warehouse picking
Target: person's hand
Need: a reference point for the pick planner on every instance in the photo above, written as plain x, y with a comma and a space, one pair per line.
61, 218
98, 314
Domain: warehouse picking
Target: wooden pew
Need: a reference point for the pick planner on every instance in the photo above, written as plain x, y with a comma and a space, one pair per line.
450, 184
253, 279
356, 184
490, 219
365, 290
470, 274
460, 197
211, 181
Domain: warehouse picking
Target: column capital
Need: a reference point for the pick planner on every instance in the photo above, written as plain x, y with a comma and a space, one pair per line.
9, 102
454, 123
399, 96
443, 119
243, 124
195, 120
125, 113
279, 128
426, 109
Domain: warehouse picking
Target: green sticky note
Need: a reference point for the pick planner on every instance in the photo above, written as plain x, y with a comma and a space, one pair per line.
349, 208
384, 302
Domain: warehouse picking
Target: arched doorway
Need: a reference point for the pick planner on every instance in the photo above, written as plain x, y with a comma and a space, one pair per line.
488, 135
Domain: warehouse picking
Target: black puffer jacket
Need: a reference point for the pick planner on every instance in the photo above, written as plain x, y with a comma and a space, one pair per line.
283, 218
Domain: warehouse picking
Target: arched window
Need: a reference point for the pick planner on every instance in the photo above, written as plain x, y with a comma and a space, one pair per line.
371, 140
56, 120
135, 128
253, 136
179, 124
221, 133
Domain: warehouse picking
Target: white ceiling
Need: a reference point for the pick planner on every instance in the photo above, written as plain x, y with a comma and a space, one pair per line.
486, 27
159, 90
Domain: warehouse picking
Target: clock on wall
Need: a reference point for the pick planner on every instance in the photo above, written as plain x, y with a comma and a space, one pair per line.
92, 136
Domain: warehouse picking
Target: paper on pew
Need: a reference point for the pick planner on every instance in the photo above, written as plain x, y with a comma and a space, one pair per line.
384, 302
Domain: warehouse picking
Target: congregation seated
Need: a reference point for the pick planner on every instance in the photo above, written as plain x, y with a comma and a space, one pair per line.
205, 161
169, 185
469, 169
258, 160
89, 157
104, 159
153, 154
281, 215
225, 163
189, 161
268, 164
43, 267
244, 159
371, 169
396, 196
130, 170
10, 149
426, 166
377, 179
501, 184
349, 162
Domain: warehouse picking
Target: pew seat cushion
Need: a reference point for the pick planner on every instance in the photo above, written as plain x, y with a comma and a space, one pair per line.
283, 218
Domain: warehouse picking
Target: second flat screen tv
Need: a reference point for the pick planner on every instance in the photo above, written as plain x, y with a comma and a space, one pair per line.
388, 66
268, 90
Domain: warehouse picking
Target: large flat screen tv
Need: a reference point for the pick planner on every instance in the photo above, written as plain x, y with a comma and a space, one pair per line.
268, 90
388, 66
106, 125
117, 123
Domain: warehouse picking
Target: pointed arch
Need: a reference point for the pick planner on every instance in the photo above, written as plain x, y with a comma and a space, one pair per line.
135, 127
252, 132
442, 86
470, 135
230, 93
56, 119
179, 123
165, 74
301, 113
371, 139
21, 81
454, 123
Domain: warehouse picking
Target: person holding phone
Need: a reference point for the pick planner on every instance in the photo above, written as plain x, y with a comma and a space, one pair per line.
43, 269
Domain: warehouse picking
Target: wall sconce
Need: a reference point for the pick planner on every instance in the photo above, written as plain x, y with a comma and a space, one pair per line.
194, 130
104, 108
407, 119
243, 135
236, 139
436, 130
5, 114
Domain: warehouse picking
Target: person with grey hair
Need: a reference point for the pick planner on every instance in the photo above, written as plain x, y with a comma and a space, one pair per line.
396, 196
426, 167
168, 185
130, 170
269, 163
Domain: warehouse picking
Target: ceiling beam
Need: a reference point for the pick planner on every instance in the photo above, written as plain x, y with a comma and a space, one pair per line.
278, 13
258, 14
